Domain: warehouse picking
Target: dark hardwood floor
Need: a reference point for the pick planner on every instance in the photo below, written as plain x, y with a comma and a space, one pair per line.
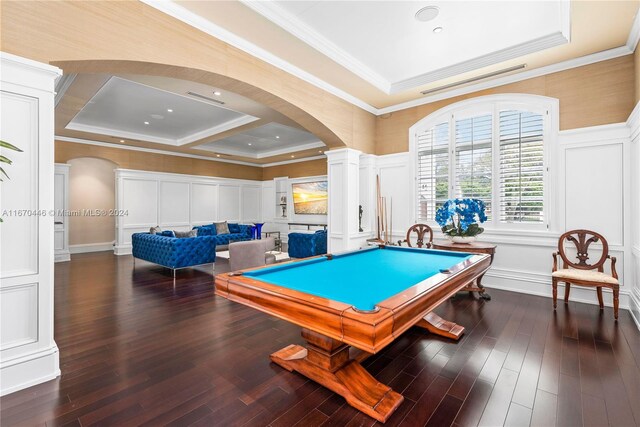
134, 350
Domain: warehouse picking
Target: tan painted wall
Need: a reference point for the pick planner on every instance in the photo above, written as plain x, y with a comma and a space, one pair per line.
592, 95
60, 32
91, 186
296, 170
129, 159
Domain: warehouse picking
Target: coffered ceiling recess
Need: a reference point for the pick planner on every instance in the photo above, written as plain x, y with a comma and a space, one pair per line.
177, 116
394, 48
132, 110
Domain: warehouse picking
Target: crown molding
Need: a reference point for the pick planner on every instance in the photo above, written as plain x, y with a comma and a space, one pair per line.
290, 23
286, 162
176, 11
500, 81
173, 153
532, 46
634, 34
262, 155
217, 129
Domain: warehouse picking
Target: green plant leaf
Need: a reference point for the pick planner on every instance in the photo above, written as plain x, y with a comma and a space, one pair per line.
3, 159
2, 172
5, 144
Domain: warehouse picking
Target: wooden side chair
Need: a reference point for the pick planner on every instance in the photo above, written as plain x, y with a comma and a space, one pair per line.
582, 273
421, 230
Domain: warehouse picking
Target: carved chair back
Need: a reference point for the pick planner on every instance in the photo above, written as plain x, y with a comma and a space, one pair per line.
582, 239
421, 230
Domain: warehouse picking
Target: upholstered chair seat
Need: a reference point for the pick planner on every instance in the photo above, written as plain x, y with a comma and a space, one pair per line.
588, 275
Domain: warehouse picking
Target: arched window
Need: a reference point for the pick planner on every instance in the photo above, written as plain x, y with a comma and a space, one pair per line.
493, 148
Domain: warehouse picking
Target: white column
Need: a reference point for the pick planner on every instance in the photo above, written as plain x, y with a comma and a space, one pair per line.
28, 353
343, 172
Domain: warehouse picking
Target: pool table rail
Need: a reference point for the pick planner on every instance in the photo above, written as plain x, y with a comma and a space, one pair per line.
367, 331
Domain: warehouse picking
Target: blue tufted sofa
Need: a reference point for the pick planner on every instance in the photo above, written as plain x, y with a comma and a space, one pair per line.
237, 232
302, 245
173, 252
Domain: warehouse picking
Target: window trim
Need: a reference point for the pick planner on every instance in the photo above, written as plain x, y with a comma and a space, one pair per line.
547, 106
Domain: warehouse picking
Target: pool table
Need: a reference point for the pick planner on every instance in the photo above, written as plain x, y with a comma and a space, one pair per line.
352, 305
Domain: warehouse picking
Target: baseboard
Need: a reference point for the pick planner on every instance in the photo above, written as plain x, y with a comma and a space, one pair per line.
27, 371
91, 247
122, 249
528, 285
634, 307
62, 256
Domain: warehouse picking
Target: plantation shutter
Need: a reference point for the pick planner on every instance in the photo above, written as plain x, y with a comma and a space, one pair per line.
433, 170
473, 140
521, 167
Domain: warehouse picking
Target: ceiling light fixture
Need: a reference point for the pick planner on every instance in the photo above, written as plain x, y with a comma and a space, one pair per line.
249, 144
437, 30
169, 110
122, 140
146, 123
277, 137
427, 13
217, 93
293, 157
217, 155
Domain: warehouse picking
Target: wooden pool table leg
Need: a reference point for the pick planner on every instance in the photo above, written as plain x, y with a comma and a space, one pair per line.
327, 362
439, 326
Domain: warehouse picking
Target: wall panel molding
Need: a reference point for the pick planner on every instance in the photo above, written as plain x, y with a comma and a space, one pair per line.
180, 202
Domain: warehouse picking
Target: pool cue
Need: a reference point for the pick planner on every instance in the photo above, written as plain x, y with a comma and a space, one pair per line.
378, 207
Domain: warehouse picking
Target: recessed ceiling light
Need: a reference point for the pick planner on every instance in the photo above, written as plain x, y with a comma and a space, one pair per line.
319, 151
437, 30
146, 123
427, 13
217, 93
277, 137
217, 155
249, 144
169, 110
122, 140
292, 157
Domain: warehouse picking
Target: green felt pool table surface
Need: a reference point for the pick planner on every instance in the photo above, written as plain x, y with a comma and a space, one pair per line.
361, 278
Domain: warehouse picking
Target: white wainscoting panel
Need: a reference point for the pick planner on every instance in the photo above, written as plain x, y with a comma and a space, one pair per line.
251, 203
230, 208
174, 204
20, 304
594, 190
204, 207
20, 194
28, 352
180, 202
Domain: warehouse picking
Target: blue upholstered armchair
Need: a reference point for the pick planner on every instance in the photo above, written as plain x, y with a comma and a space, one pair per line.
302, 245
172, 252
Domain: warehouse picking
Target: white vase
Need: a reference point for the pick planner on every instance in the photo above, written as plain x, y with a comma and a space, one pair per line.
463, 239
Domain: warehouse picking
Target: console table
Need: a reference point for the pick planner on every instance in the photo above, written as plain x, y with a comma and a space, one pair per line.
474, 248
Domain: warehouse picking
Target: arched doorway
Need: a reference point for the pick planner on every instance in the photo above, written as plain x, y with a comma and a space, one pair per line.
91, 202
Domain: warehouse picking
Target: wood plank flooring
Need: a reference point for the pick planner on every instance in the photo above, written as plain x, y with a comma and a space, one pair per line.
134, 350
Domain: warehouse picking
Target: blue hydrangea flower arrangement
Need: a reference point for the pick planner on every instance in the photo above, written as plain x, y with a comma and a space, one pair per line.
460, 217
